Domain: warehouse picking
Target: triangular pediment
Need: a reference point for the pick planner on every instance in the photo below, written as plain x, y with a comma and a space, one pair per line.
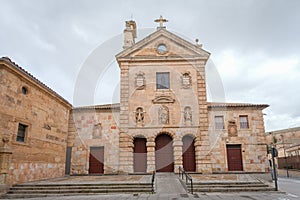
173, 47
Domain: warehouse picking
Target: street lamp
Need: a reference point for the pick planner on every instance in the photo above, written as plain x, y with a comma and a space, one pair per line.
286, 164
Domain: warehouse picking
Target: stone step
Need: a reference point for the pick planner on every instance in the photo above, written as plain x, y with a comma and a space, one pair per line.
43, 190
41, 196
227, 183
233, 189
79, 186
87, 190
229, 186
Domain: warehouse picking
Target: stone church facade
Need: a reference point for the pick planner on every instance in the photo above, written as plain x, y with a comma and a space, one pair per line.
163, 120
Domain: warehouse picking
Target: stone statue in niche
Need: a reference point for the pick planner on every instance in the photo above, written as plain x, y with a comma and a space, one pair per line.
232, 128
140, 82
163, 115
139, 116
186, 80
187, 113
97, 131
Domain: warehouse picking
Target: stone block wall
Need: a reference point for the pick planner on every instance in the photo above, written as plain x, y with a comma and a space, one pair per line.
252, 140
42, 154
93, 128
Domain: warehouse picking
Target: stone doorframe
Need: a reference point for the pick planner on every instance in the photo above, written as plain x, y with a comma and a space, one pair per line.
202, 152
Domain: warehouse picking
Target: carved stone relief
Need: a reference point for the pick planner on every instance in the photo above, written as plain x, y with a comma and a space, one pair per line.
97, 131
186, 80
187, 114
139, 116
140, 82
163, 115
232, 128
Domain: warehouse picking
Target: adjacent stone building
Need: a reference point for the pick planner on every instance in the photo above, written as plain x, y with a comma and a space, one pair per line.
287, 142
33, 127
163, 120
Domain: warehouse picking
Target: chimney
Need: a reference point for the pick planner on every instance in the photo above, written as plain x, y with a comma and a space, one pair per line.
129, 34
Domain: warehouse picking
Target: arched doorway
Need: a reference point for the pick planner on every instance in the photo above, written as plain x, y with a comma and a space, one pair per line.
164, 161
188, 154
139, 155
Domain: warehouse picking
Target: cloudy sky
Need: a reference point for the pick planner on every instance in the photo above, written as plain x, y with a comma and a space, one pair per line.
254, 45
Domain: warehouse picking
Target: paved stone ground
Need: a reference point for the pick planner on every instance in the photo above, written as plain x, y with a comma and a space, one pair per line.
292, 173
168, 183
168, 187
206, 196
224, 178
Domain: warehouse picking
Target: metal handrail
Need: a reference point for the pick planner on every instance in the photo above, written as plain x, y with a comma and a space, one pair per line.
188, 178
152, 181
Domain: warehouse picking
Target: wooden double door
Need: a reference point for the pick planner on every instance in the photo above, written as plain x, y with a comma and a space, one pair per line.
96, 160
164, 161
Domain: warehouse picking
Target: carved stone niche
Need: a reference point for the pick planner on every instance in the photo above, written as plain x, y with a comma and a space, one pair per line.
186, 80
187, 114
232, 129
139, 116
163, 114
140, 82
97, 131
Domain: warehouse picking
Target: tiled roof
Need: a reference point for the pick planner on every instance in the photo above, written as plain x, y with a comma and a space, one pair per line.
115, 106
282, 131
219, 104
24, 72
210, 105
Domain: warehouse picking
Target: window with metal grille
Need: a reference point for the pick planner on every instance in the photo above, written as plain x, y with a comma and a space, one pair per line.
22, 130
162, 80
244, 124
219, 122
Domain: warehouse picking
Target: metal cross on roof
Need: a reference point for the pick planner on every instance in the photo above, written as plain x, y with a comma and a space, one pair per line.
161, 21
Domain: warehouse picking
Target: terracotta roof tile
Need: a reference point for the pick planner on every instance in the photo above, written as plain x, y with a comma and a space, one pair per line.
221, 104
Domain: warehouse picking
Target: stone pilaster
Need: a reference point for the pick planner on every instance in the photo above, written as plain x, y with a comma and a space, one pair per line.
5, 162
202, 145
125, 142
150, 155
177, 146
126, 154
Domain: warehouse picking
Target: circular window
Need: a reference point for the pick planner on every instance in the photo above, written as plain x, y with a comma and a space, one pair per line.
24, 90
162, 48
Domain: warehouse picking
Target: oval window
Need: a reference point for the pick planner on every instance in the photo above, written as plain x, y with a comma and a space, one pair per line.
162, 48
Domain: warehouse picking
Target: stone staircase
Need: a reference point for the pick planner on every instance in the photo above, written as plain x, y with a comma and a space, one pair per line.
56, 190
229, 187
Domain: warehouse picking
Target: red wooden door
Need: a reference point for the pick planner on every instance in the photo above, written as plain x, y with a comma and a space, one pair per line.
164, 161
96, 161
140, 155
188, 155
234, 158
